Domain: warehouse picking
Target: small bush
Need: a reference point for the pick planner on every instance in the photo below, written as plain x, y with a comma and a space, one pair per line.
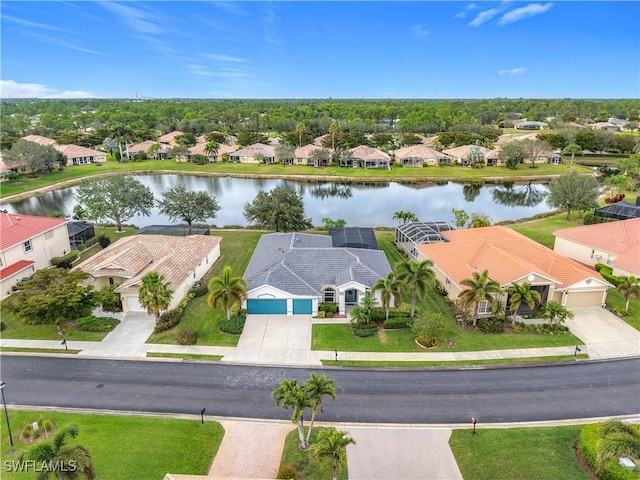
321, 314
3, 326
168, 320
71, 257
200, 291
490, 325
26, 432
544, 328
103, 240
66, 264
377, 314
287, 472
97, 324
12, 176
184, 302
591, 219
187, 336
398, 322
234, 325
364, 331
588, 444
328, 307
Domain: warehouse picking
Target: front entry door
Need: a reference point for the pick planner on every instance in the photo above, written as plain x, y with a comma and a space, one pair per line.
351, 296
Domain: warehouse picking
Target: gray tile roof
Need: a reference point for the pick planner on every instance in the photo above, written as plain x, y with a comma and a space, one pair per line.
303, 264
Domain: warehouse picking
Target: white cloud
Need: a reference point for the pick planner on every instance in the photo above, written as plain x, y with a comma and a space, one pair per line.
271, 33
420, 31
137, 19
513, 71
225, 58
29, 23
524, 12
463, 13
484, 16
13, 89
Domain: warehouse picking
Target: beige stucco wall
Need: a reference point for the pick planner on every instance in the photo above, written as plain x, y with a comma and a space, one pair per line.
7, 283
581, 253
53, 243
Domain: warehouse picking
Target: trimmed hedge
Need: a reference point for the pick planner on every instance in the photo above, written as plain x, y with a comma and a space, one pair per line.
588, 443
200, 291
490, 325
328, 307
364, 331
398, 322
544, 328
378, 314
607, 273
187, 336
168, 320
234, 325
72, 256
97, 324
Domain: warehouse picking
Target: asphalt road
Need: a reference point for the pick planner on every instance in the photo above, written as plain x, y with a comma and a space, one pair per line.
492, 395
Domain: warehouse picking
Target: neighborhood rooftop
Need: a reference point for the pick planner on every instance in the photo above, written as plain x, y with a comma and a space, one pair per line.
18, 228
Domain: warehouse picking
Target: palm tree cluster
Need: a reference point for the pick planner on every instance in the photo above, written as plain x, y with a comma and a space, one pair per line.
299, 397
332, 444
405, 217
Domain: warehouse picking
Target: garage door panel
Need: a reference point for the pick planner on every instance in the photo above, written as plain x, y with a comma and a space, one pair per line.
584, 299
302, 306
134, 305
263, 306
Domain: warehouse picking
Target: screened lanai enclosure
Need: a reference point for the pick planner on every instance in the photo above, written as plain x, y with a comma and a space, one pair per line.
409, 235
619, 210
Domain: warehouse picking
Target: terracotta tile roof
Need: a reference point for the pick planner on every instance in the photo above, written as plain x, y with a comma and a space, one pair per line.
621, 238
506, 138
75, 151
198, 149
15, 228
15, 268
39, 139
133, 257
463, 150
169, 137
306, 151
144, 146
3, 166
252, 150
420, 150
368, 153
506, 254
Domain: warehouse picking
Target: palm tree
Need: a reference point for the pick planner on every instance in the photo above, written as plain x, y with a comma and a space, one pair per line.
300, 130
333, 133
318, 386
332, 444
522, 293
154, 294
57, 452
290, 394
572, 148
211, 148
629, 287
617, 439
153, 149
480, 288
389, 288
362, 313
123, 133
556, 313
226, 290
417, 276
399, 215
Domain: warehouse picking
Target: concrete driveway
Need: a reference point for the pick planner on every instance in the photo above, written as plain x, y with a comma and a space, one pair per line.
127, 339
604, 334
275, 340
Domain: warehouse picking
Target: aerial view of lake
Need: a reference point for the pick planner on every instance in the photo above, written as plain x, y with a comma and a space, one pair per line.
366, 205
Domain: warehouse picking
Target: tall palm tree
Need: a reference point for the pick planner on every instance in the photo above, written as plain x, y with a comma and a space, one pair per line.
617, 439
556, 313
301, 128
333, 133
123, 133
211, 148
399, 215
226, 290
389, 288
629, 287
522, 293
417, 277
154, 294
57, 452
332, 444
290, 394
480, 288
318, 386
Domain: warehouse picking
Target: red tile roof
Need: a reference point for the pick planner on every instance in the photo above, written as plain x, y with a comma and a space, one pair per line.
615, 237
15, 229
506, 254
39, 139
15, 268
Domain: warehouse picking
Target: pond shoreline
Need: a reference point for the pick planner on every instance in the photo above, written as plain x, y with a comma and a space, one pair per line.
294, 177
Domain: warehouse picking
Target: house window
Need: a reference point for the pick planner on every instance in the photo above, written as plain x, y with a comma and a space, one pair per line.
609, 259
111, 282
447, 281
48, 235
27, 246
329, 294
484, 307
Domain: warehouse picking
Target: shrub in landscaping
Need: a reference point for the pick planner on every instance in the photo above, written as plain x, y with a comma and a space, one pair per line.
378, 314
544, 328
184, 302
287, 472
328, 307
168, 320
3, 326
490, 325
234, 325
12, 176
188, 336
591, 219
103, 240
429, 330
588, 444
109, 299
97, 324
364, 331
199, 291
321, 314
398, 322
71, 257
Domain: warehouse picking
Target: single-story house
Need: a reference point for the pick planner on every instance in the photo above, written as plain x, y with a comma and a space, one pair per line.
410, 235
252, 154
511, 257
182, 260
291, 273
77, 155
420, 155
28, 243
460, 154
606, 126
530, 125
153, 150
616, 244
40, 140
305, 156
369, 157
170, 138
199, 149
507, 137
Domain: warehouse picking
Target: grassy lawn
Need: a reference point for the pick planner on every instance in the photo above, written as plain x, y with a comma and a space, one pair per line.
615, 300
185, 356
236, 250
462, 363
456, 173
541, 230
136, 448
301, 461
16, 328
39, 350
523, 453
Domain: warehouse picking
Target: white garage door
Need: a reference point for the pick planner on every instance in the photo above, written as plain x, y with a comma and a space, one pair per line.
134, 305
584, 299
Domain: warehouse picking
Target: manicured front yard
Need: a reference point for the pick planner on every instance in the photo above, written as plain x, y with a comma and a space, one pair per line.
135, 448
236, 250
16, 328
523, 453
301, 461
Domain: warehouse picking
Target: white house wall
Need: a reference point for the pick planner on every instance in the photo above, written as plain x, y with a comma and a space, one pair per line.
12, 280
582, 253
45, 246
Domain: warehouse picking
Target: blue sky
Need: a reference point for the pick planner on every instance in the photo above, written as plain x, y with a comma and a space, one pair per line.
210, 49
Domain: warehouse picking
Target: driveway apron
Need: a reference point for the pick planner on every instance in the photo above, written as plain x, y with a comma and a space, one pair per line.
275, 340
127, 339
605, 335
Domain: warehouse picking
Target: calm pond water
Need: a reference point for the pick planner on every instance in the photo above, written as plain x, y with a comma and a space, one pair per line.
366, 205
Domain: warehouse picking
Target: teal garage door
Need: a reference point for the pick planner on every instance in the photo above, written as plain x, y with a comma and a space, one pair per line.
266, 306
302, 306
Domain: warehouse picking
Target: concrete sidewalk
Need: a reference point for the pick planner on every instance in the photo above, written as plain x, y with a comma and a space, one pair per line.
127, 339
